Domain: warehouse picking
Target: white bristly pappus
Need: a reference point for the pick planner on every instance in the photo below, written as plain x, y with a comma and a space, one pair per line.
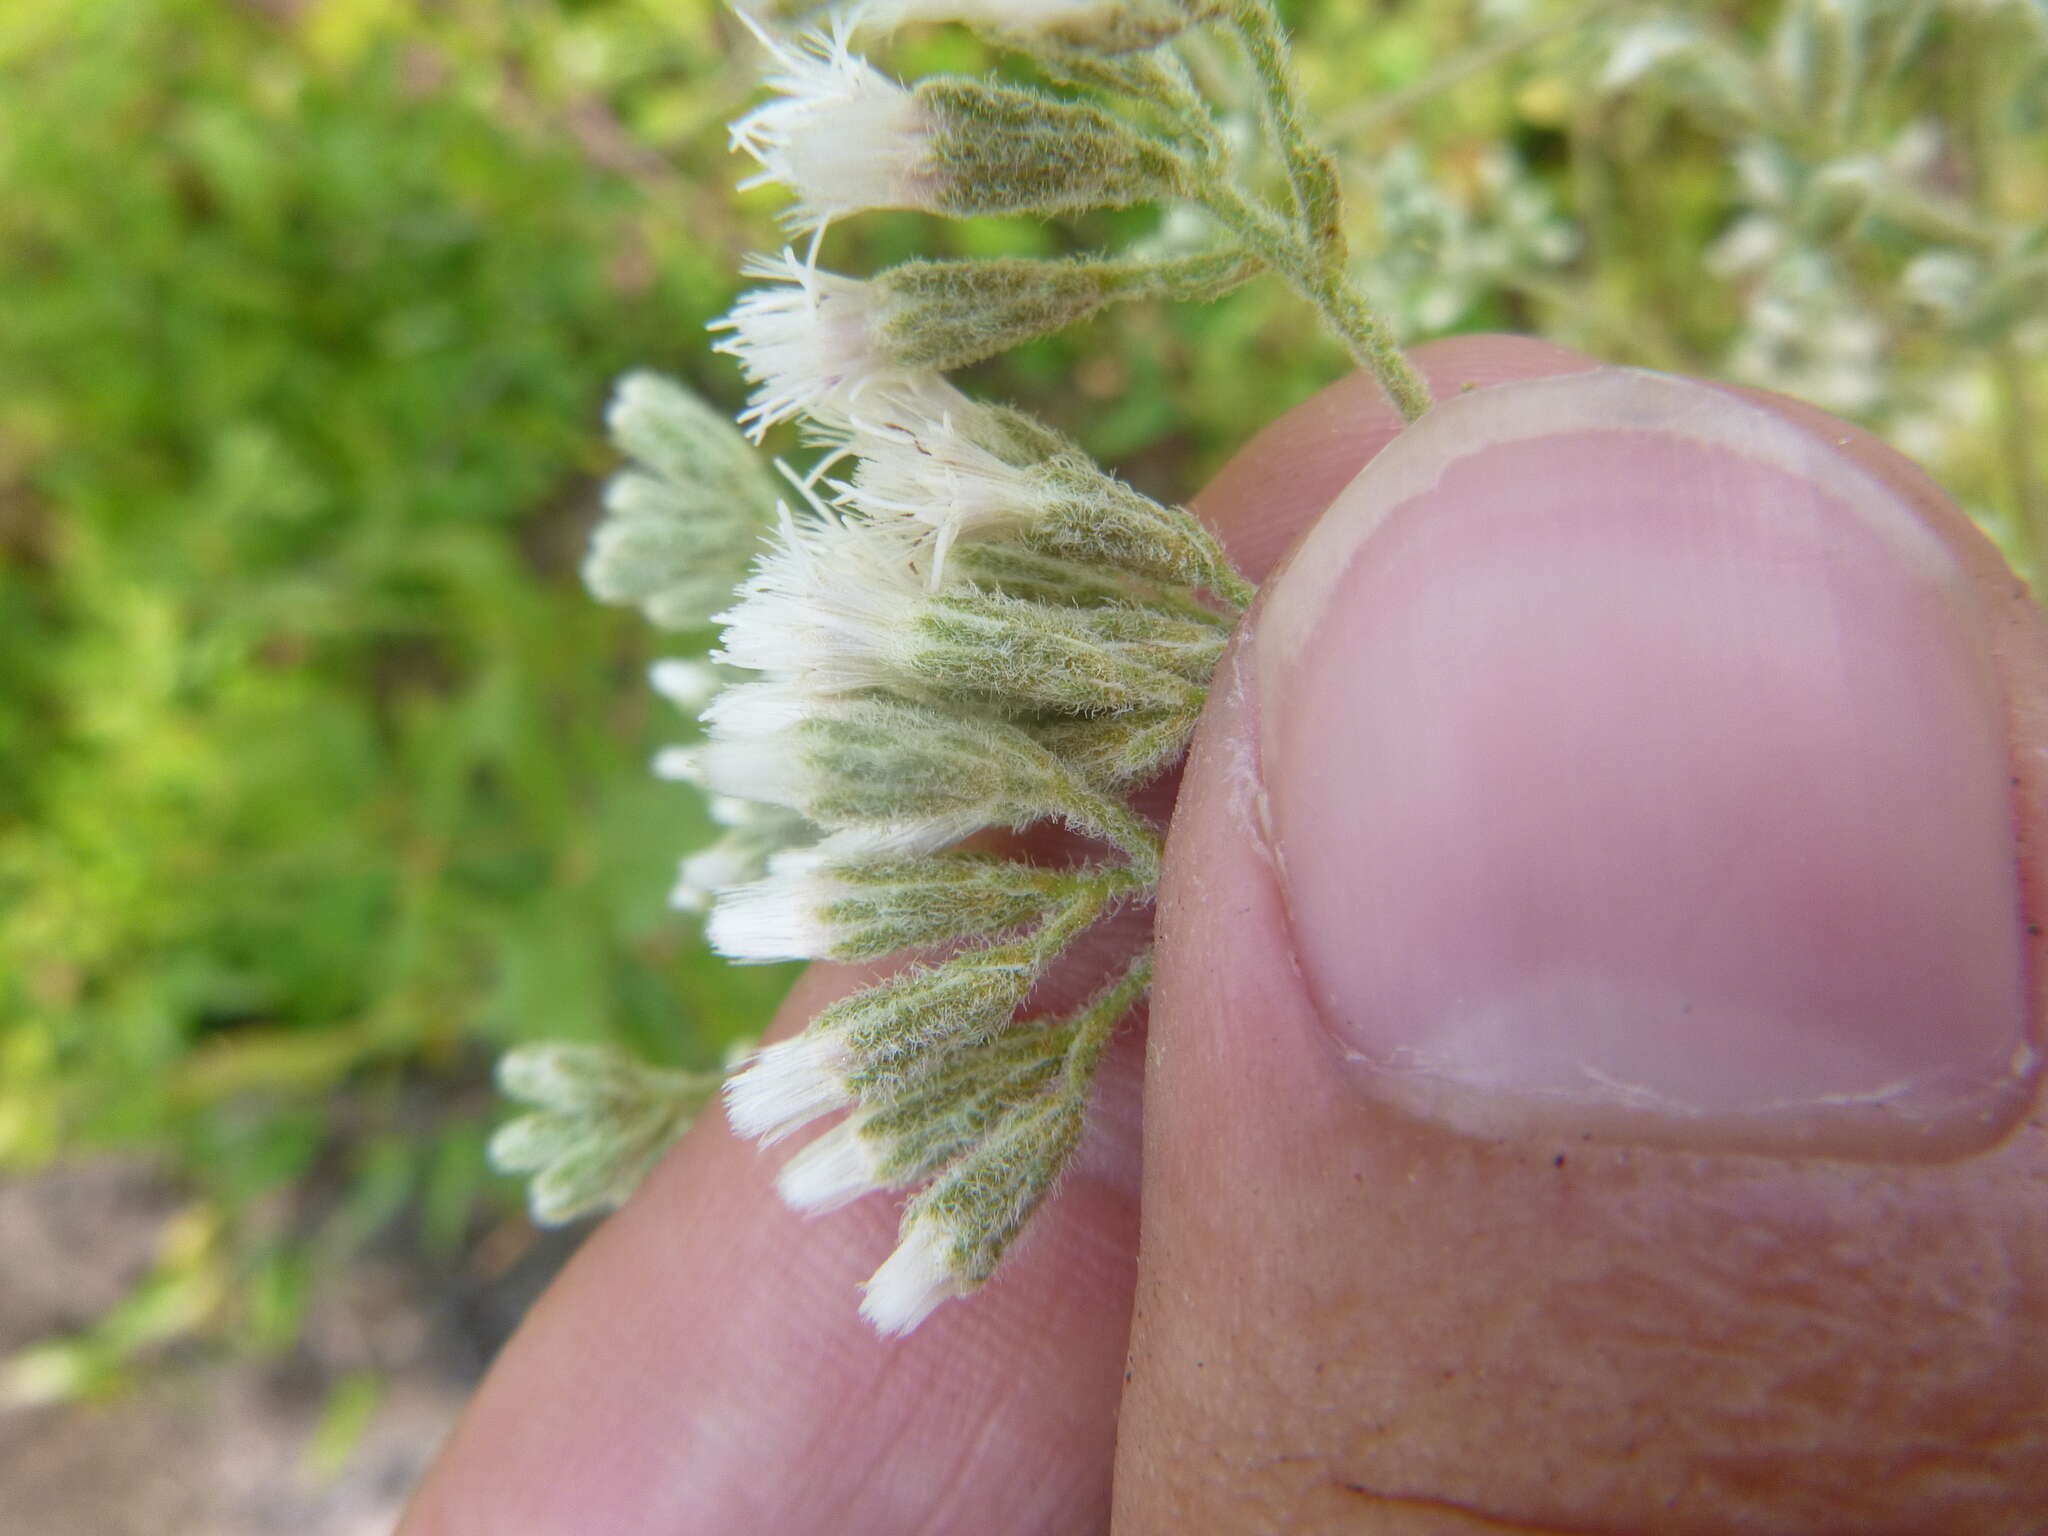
788, 1085
915, 1280
842, 136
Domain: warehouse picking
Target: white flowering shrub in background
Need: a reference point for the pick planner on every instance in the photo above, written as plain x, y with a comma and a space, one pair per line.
950, 619
1888, 255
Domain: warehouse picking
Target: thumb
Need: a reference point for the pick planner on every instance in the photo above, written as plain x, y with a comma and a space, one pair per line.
1592, 1068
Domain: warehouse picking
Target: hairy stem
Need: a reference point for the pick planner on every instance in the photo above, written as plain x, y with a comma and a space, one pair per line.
1089, 810
1317, 273
1193, 279
1095, 1023
1311, 179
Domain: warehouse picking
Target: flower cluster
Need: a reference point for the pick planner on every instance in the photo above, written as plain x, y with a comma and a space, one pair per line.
684, 518
971, 627
1439, 253
600, 1121
1856, 234
957, 621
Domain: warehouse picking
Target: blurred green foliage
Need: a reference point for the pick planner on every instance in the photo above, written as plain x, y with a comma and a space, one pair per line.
324, 776
324, 779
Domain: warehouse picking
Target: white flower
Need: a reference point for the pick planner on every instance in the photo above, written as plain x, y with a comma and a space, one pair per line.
784, 766
779, 918
915, 1280
898, 796
758, 709
904, 840
843, 136
1944, 281
1643, 48
787, 1086
727, 863
770, 766
807, 344
683, 765
689, 685
836, 1169
932, 473
730, 811
777, 766
1751, 244
1804, 336
827, 607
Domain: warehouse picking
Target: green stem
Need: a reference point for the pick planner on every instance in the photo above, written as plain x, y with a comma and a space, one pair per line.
1310, 179
1095, 1023
1317, 273
1088, 896
1089, 810
1193, 279
1162, 80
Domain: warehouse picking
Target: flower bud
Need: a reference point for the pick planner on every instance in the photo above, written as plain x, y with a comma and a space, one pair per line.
956, 1231
843, 137
682, 521
604, 1122
812, 910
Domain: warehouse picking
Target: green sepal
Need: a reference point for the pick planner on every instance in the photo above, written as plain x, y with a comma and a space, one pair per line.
1005, 149
985, 1196
898, 1029
1119, 752
919, 1131
884, 763
944, 315
1021, 657
883, 906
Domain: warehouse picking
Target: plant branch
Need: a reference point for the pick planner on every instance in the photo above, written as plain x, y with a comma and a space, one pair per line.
1318, 275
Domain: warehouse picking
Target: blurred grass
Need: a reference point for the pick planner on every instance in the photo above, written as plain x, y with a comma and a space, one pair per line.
324, 780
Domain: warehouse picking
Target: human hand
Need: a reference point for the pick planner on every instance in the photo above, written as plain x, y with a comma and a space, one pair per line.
1590, 1071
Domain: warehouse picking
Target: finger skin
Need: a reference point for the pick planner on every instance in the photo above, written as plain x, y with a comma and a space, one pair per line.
700, 1365
1352, 1320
